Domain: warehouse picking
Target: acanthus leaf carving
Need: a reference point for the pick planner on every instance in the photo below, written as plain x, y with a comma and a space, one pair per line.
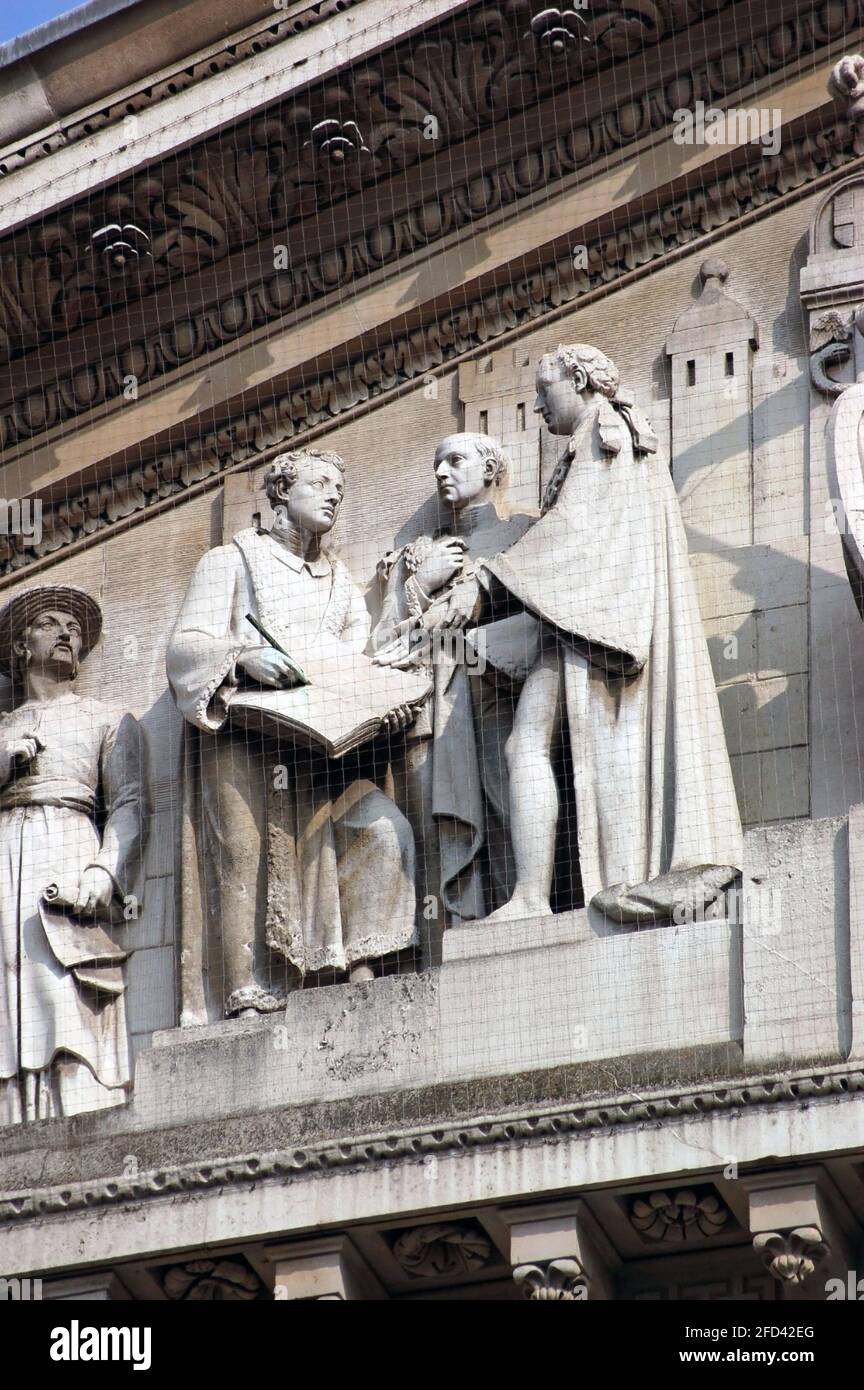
235, 189
791, 1256
404, 358
639, 242
557, 1281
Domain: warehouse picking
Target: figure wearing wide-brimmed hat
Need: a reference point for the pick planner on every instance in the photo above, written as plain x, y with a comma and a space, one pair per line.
63, 1042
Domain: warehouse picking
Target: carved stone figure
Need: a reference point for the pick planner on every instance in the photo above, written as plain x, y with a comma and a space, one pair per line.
624, 668
63, 1042
456, 771
832, 289
294, 862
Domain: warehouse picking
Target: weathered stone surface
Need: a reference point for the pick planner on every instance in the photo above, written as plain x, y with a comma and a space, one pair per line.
797, 942
545, 1058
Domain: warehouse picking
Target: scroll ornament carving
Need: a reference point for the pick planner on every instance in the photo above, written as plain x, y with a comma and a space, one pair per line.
678, 1216
448, 1248
559, 1281
791, 1256
219, 1280
407, 357
830, 346
241, 187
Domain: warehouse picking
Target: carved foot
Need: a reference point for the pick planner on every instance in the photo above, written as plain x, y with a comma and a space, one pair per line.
521, 906
252, 999
684, 896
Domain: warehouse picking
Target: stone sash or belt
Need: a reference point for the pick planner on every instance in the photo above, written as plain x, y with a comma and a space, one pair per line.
60, 791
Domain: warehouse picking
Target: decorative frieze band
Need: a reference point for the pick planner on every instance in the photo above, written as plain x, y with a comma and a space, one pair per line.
616, 29
501, 1131
412, 355
242, 186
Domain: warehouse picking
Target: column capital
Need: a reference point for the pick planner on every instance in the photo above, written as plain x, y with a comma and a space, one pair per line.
558, 1251
322, 1268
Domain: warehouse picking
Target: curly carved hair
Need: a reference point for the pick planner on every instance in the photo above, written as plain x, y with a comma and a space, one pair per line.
282, 472
601, 370
487, 448
490, 448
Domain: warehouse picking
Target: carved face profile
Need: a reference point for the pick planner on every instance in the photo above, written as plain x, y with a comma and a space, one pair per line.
559, 398
464, 469
52, 642
314, 499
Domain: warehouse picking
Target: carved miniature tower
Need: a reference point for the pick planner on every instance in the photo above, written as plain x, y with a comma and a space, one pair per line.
498, 394
711, 347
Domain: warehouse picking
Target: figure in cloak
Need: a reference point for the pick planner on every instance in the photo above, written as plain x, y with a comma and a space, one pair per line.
456, 793
624, 669
67, 765
294, 863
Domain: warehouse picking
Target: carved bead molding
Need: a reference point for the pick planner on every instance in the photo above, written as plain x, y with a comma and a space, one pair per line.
200, 1280
680, 1216
559, 1281
249, 182
791, 1256
408, 357
447, 1248
353, 1152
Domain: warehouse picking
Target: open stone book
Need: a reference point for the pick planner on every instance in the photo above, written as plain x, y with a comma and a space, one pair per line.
343, 706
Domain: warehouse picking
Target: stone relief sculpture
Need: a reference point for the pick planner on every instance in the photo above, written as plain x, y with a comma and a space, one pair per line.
624, 668
295, 862
63, 759
457, 796
832, 291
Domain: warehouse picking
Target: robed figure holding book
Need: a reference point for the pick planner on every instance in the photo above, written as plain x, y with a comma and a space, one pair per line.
295, 862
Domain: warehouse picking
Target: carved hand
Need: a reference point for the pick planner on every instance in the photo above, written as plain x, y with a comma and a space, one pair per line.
404, 651
443, 563
95, 891
461, 605
268, 667
399, 718
19, 752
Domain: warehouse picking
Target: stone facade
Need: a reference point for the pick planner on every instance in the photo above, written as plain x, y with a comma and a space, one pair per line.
220, 251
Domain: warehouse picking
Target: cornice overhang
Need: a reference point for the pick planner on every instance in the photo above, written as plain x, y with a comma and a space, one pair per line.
190, 96
526, 1127
201, 199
